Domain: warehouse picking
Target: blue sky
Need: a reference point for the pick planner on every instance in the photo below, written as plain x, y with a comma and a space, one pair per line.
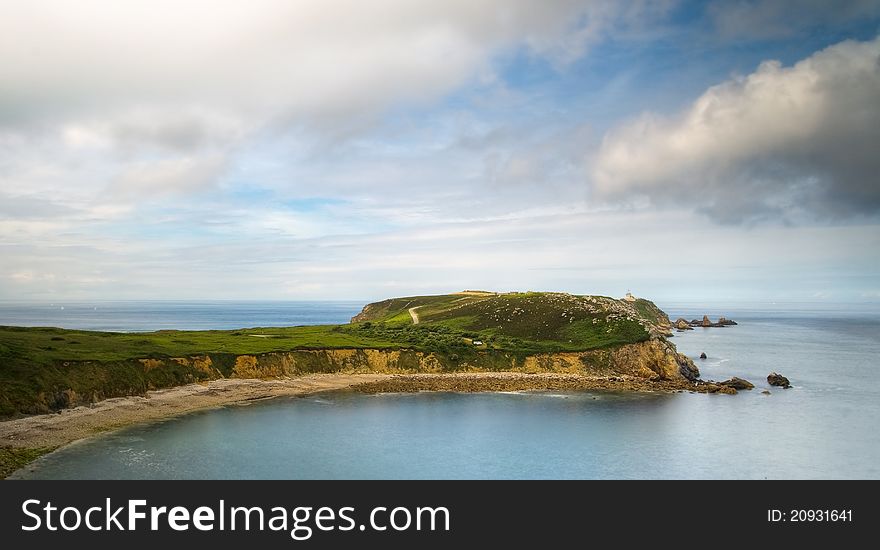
692, 151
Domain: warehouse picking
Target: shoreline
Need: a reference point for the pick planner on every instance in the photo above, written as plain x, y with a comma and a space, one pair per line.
23, 440
469, 382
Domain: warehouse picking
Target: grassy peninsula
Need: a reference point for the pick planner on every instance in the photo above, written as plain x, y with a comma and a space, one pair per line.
45, 369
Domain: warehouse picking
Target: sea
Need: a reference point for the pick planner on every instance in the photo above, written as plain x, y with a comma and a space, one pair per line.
824, 427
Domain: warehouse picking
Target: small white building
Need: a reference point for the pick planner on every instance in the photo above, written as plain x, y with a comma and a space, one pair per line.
478, 342
629, 297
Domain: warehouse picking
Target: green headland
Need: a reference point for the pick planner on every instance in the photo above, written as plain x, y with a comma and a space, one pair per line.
46, 369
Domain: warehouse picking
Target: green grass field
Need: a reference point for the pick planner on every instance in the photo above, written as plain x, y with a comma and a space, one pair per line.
38, 365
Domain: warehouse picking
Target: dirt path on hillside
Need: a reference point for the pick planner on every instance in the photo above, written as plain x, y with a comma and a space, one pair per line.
414, 315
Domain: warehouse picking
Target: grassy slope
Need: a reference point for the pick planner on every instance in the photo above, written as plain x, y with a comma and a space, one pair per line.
526, 323
37, 365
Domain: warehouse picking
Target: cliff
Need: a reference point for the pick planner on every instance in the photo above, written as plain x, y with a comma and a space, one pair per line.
46, 369
652, 360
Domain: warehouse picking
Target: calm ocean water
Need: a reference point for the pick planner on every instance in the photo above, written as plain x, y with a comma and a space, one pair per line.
824, 427
148, 316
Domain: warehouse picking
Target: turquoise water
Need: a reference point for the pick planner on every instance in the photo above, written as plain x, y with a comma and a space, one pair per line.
824, 427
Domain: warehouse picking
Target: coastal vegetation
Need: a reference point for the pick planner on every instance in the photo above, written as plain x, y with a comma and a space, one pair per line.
528, 322
13, 458
44, 369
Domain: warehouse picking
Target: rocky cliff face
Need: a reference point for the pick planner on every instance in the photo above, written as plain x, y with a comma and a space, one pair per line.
651, 360
655, 359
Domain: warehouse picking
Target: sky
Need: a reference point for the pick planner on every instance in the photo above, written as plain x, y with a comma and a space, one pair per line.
340, 149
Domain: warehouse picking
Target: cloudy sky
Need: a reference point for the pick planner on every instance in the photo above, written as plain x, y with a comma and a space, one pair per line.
320, 149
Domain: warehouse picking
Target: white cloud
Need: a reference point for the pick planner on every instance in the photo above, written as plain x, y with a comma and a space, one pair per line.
308, 60
174, 175
779, 141
102, 100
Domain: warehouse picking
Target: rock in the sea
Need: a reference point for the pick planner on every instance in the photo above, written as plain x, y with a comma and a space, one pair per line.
682, 324
706, 322
715, 387
765, 392
703, 355
776, 379
738, 383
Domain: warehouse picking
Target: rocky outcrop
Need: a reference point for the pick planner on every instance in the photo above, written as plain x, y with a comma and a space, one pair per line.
475, 382
703, 355
776, 379
702, 386
705, 322
651, 360
369, 311
687, 368
299, 362
738, 384
682, 324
